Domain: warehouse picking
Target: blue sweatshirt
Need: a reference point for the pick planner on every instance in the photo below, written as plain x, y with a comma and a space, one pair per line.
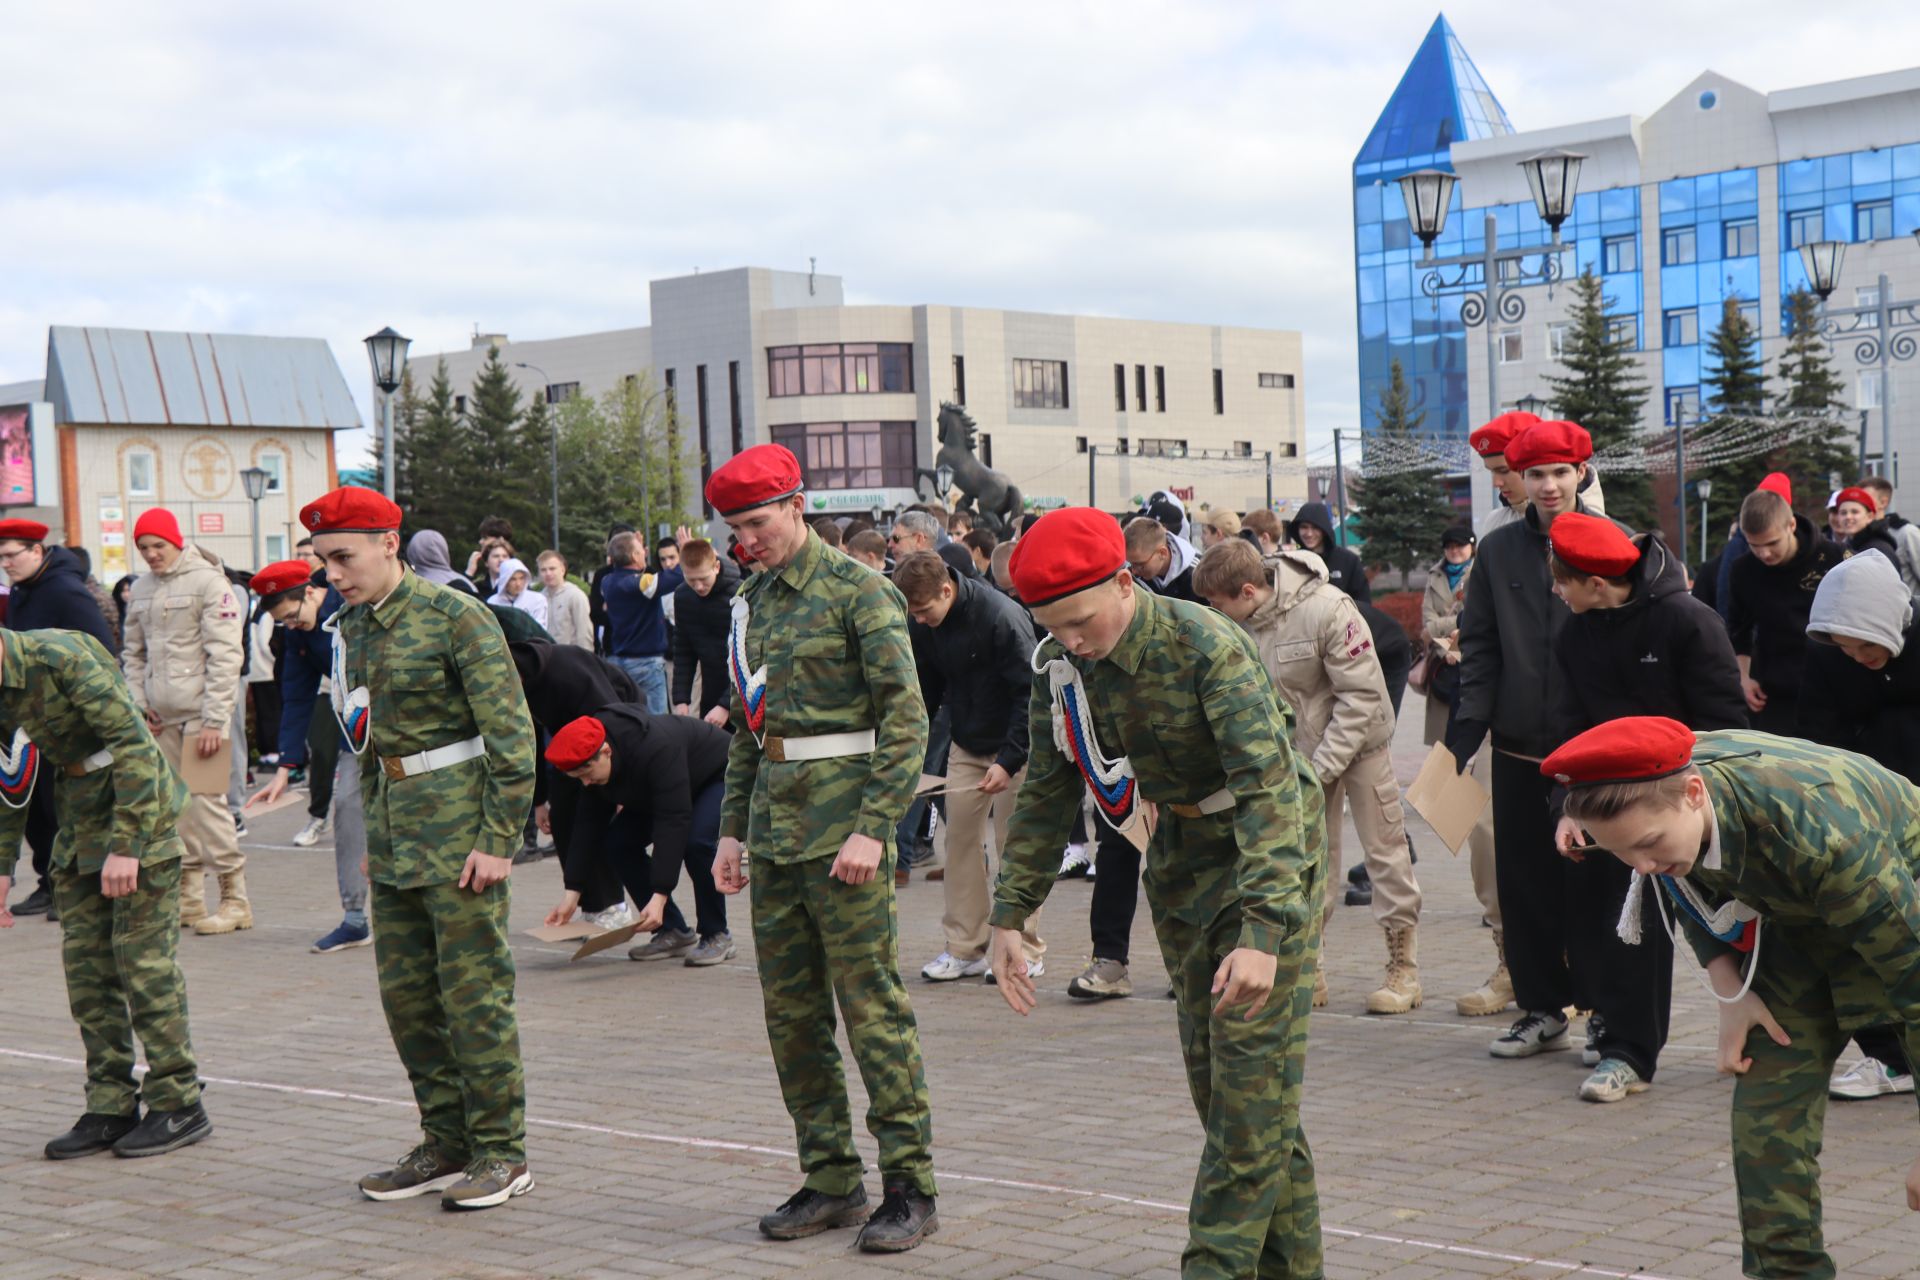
306, 657
636, 624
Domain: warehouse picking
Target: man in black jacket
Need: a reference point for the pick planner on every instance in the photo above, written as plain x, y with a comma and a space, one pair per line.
1312, 529
974, 648
1770, 594
1636, 645
1162, 560
649, 780
49, 590
702, 615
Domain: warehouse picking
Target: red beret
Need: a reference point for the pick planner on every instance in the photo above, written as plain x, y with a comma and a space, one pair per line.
1491, 440
1546, 444
1065, 551
158, 522
351, 509
576, 743
1777, 482
1853, 493
281, 575
23, 530
1630, 749
755, 477
1592, 544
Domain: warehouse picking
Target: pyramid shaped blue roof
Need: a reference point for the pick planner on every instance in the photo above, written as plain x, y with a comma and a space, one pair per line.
1441, 100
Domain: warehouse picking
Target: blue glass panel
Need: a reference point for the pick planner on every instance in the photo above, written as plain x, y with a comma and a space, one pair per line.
1679, 287
1872, 166
1399, 280
1680, 366
1395, 234
1676, 196
1793, 272
1742, 276
1801, 176
1619, 203
1709, 289
1837, 171
1739, 184
1399, 318
1872, 191
1906, 215
1373, 322
1366, 237
1707, 238
1586, 255
1803, 200
1373, 285
1367, 202
1840, 221
1706, 190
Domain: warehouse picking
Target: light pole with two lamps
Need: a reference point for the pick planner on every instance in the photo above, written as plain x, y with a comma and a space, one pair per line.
387, 352
1884, 330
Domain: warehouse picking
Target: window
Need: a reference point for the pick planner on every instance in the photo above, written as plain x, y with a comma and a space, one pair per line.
1683, 405
1619, 253
1805, 227
1039, 384
1243, 448
1278, 381
1868, 295
1156, 447
1119, 388
1140, 387
1120, 445
1557, 340
561, 392
1513, 347
1680, 328
733, 406
1750, 312
1740, 239
1678, 247
276, 548
460, 405
1873, 220
1509, 270
1159, 388
1219, 391
986, 449
1623, 331
140, 474
700, 404
1287, 450
1080, 442
959, 379
275, 465
851, 455
1868, 396
841, 368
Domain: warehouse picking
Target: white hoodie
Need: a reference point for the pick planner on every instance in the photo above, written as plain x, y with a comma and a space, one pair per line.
528, 601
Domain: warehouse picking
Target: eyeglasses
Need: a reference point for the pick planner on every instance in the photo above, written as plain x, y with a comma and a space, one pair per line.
18, 551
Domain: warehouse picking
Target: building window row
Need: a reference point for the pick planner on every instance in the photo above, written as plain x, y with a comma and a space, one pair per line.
1277, 381
840, 368
1159, 447
851, 455
1040, 384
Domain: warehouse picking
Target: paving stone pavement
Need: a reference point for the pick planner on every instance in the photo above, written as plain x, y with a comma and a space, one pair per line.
1065, 1143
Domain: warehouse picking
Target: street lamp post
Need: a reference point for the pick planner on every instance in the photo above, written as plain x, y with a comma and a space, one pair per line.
387, 352
553, 444
254, 479
1705, 489
1533, 404
1883, 331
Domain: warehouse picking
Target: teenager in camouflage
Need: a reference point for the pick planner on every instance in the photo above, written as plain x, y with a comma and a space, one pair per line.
1800, 861
833, 731
69, 722
424, 686
1176, 693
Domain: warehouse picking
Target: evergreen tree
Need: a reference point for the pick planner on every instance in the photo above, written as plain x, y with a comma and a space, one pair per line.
614, 467
1403, 501
1812, 391
1603, 393
536, 447
407, 407
492, 465
428, 458
1735, 380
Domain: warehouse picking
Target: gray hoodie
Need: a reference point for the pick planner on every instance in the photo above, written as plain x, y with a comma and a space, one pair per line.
427, 553
1862, 598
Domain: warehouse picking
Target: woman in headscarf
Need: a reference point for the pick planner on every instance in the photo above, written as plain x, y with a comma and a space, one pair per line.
427, 553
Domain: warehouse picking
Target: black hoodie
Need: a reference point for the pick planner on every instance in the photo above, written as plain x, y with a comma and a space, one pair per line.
660, 763
564, 682
1343, 566
58, 596
700, 626
1768, 606
1662, 653
1876, 713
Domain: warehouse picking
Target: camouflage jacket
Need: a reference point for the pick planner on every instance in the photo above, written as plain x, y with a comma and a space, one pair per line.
63, 689
833, 637
1183, 696
1825, 845
437, 671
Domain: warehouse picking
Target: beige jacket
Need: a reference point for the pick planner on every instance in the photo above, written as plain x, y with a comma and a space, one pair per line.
185, 632
569, 620
1440, 606
1320, 654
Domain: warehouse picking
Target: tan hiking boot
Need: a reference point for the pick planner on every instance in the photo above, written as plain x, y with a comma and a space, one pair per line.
1401, 991
1495, 994
193, 896
1319, 988
234, 912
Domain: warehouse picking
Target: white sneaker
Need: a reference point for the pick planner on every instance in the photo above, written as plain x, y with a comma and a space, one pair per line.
310, 834
617, 916
945, 967
1035, 969
1533, 1033
1868, 1078
1074, 863
1612, 1081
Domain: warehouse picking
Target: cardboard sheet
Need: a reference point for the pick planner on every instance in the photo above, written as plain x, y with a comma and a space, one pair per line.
206, 776
1450, 802
561, 932
601, 941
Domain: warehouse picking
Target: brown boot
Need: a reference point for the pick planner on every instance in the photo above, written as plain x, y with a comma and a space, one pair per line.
193, 894
234, 912
1495, 994
1401, 992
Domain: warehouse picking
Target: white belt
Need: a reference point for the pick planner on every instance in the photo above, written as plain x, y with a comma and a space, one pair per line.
92, 764
398, 767
821, 746
1219, 802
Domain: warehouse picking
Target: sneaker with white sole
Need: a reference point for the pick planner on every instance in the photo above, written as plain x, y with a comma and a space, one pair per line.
1533, 1033
1596, 1032
1035, 969
947, 967
424, 1169
309, 835
617, 916
1075, 863
1612, 1080
1868, 1078
344, 937
1101, 980
668, 944
488, 1182
717, 949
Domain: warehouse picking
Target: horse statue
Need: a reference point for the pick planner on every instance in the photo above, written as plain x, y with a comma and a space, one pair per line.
992, 498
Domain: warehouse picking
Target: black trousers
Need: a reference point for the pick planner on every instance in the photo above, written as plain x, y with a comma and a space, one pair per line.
1116, 893
1534, 886
1884, 1043
266, 716
599, 887
323, 756
43, 825
1781, 715
1630, 987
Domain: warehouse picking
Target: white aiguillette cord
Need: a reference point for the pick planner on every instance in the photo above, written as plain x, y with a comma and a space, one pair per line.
1629, 928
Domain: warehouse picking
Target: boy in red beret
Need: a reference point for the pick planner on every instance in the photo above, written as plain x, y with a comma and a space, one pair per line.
1162, 708
1791, 868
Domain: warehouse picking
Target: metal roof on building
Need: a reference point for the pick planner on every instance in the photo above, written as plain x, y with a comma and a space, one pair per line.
149, 378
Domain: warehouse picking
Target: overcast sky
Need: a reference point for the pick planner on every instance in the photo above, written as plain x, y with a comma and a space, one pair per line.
327, 169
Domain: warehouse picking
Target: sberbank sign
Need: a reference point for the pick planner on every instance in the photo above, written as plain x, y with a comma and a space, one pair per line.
850, 501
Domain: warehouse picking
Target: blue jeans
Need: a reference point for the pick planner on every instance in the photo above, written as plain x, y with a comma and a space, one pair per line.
631, 834
651, 675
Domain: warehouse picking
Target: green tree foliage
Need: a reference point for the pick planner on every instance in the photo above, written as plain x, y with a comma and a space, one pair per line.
616, 466
1811, 389
1602, 392
1402, 500
428, 454
498, 468
1734, 385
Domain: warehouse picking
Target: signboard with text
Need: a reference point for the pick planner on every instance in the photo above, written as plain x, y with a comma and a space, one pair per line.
211, 522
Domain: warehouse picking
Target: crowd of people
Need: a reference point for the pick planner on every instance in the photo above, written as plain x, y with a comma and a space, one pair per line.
1211, 695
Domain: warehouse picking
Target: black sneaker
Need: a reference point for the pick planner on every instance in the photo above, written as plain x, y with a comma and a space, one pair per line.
1358, 875
164, 1131
1596, 1032
808, 1212
37, 903
91, 1134
1360, 895
239, 826
903, 1220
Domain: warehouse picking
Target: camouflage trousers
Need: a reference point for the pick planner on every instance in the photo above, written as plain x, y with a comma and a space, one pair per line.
122, 981
446, 983
1255, 1209
817, 938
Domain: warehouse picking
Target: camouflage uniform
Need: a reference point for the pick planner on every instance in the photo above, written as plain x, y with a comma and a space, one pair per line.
437, 670
122, 979
1183, 696
833, 638
1825, 845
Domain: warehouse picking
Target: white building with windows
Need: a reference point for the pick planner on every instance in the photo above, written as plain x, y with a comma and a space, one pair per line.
753, 355
129, 419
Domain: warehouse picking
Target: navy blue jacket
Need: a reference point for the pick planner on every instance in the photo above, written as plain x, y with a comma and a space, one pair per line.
636, 624
58, 596
306, 658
